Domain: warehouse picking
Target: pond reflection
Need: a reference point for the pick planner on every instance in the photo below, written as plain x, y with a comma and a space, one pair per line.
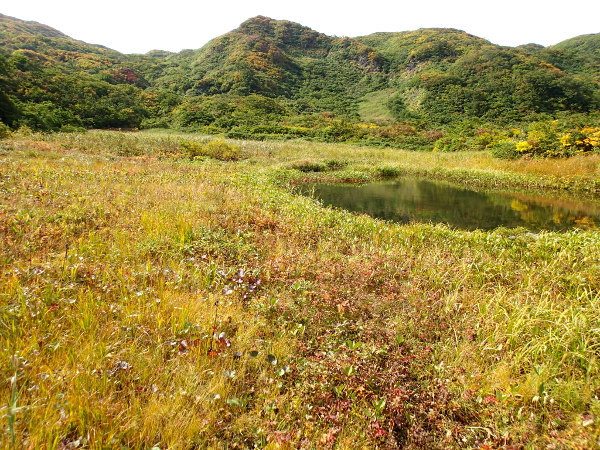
412, 199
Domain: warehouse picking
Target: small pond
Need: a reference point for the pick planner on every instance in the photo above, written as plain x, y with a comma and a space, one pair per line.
412, 199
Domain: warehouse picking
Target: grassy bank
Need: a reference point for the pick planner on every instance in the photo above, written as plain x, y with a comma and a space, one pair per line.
149, 299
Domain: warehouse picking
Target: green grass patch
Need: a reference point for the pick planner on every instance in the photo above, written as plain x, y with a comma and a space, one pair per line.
217, 149
373, 107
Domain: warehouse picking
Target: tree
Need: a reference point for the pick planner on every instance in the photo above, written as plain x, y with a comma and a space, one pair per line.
8, 111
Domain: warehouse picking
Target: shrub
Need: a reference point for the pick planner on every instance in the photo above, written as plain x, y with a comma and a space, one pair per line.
72, 129
450, 144
523, 147
334, 164
396, 130
485, 139
217, 149
416, 143
154, 122
432, 136
388, 172
585, 140
23, 131
4, 131
542, 140
309, 166
240, 133
505, 150
46, 116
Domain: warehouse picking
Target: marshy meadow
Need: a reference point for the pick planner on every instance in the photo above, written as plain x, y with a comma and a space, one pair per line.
164, 290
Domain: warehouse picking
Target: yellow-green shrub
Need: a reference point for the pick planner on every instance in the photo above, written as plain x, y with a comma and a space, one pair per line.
4, 131
585, 140
217, 149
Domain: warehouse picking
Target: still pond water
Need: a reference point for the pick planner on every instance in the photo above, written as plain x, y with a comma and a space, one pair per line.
412, 199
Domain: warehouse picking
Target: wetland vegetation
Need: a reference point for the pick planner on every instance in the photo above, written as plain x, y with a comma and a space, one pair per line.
172, 288
153, 298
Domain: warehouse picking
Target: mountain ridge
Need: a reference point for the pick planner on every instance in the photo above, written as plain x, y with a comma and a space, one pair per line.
31, 26
34, 27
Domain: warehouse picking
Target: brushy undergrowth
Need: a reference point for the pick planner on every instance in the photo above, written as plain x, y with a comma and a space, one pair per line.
217, 149
149, 300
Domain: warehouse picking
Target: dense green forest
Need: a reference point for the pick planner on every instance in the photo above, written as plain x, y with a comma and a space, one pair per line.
440, 89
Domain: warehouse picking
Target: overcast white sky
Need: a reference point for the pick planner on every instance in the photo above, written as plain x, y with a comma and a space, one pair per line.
134, 26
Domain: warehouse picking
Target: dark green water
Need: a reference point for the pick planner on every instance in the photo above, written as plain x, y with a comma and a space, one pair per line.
413, 199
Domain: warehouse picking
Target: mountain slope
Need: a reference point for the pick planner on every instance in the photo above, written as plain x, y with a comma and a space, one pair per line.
273, 71
277, 59
47, 44
59, 81
580, 54
11, 26
411, 47
444, 74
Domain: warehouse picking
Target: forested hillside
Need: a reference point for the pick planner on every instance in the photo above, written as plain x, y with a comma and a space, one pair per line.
278, 79
443, 74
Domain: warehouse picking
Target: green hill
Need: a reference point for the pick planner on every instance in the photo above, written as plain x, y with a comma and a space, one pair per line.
445, 74
580, 54
278, 59
55, 81
278, 77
